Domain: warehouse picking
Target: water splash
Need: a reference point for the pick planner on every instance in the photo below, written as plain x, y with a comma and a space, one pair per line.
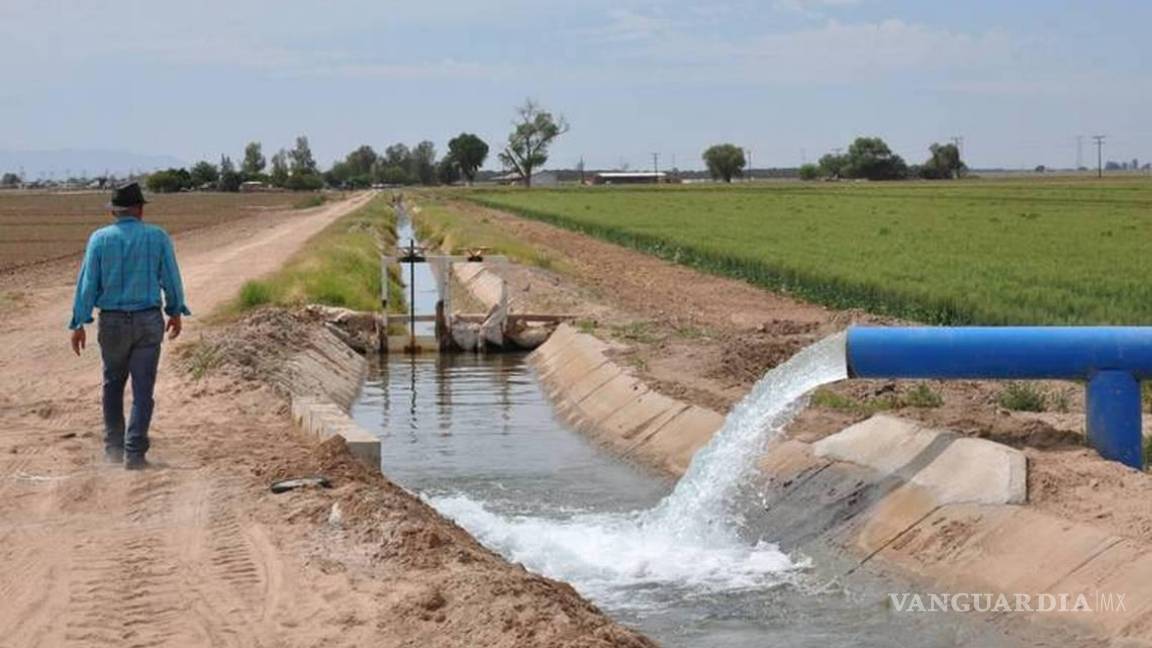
688, 544
701, 508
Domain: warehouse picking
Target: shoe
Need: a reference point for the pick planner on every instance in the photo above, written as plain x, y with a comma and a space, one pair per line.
135, 462
114, 455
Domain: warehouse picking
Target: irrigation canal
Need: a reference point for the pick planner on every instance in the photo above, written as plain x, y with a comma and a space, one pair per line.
476, 437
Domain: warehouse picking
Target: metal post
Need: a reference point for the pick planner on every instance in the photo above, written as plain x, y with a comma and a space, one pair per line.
1114, 417
412, 293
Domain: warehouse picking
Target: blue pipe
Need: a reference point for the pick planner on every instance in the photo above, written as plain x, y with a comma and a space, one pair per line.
1113, 361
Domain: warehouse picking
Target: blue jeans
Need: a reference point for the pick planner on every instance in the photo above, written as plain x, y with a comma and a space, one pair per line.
130, 347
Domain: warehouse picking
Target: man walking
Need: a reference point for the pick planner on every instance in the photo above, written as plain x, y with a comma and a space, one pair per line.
126, 267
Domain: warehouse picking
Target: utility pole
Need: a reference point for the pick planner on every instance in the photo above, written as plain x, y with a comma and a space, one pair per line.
656, 166
958, 140
749, 153
1099, 155
1079, 152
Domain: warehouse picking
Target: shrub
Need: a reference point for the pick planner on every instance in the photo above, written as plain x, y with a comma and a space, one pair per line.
809, 172
255, 293
923, 396
1022, 397
315, 200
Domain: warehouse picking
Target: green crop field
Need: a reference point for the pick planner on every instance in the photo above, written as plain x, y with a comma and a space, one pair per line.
975, 252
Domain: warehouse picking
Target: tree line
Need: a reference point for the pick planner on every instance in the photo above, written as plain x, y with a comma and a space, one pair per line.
533, 132
867, 158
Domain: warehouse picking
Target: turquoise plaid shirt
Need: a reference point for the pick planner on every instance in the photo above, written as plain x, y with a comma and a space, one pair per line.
125, 267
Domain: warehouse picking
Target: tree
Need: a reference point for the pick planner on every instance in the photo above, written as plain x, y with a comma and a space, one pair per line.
361, 161
305, 182
832, 165
870, 157
396, 166
279, 175
424, 162
809, 172
944, 164
534, 131
204, 173
253, 164
305, 175
10, 180
229, 179
448, 171
394, 175
468, 152
357, 170
724, 161
169, 181
302, 161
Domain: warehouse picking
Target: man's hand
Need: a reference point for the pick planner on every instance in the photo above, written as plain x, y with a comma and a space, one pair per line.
79, 339
175, 325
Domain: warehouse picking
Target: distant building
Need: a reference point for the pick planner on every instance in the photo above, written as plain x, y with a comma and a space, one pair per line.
252, 186
539, 179
629, 177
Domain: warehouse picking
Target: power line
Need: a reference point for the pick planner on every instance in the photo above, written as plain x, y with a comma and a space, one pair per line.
1099, 155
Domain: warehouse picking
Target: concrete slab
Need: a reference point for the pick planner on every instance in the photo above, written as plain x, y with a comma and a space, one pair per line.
675, 443
576, 391
638, 417
1124, 568
976, 471
611, 397
324, 419
954, 469
1000, 548
571, 368
787, 462
884, 443
896, 513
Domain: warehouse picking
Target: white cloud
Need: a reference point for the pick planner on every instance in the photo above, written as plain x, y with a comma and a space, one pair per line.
810, 8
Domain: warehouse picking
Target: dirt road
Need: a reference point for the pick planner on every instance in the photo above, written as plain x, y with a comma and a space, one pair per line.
97, 555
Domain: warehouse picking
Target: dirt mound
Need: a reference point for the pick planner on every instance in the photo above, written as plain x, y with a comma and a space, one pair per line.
254, 348
745, 358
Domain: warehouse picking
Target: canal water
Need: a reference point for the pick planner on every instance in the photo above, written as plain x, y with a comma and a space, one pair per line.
477, 438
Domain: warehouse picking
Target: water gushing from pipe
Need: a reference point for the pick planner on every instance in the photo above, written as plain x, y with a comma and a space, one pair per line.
688, 542
701, 506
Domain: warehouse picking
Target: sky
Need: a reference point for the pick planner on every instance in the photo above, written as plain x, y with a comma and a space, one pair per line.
788, 79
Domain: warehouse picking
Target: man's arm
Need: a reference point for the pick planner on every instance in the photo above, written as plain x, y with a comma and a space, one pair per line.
173, 287
87, 291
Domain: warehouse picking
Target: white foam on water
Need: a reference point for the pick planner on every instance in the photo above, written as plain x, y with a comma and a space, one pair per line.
689, 543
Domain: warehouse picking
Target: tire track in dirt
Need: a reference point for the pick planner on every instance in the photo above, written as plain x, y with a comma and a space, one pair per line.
125, 591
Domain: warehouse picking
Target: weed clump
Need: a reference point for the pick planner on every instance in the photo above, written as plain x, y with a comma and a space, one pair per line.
1023, 397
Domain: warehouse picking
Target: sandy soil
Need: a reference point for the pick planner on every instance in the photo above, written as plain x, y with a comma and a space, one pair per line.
197, 551
707, 339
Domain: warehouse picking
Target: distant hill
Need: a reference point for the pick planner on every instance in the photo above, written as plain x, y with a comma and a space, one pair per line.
81, 162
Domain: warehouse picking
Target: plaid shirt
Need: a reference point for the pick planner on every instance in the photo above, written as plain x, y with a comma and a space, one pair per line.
125, 267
